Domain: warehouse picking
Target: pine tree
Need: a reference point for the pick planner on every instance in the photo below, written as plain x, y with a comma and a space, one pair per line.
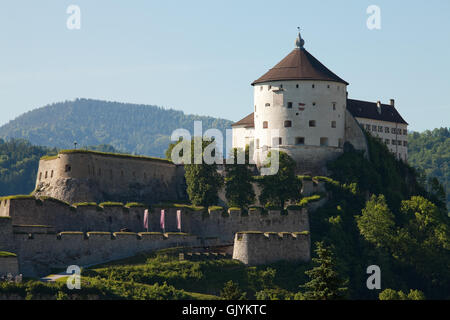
325, 283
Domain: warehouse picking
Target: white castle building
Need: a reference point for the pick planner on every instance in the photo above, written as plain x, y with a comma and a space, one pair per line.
302, 108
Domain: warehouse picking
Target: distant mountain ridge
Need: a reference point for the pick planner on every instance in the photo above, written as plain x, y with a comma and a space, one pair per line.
133, 128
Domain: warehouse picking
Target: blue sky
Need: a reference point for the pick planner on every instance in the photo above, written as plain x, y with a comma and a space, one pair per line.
201, 56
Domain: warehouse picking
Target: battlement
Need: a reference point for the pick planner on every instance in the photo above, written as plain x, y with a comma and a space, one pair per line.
37, 252
259, 248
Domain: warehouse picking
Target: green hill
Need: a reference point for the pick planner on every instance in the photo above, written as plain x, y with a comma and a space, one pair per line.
430, 152
138, 129
19, 161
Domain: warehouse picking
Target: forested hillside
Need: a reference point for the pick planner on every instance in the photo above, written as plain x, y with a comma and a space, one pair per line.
139, 129
19, 161
430, 151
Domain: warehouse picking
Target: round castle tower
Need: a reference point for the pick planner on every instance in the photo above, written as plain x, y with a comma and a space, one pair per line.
299, 108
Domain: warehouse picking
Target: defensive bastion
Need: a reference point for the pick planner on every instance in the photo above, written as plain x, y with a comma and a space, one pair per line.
90, 176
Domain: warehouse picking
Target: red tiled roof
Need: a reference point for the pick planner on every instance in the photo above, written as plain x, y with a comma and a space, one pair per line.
299, 65
369, 110
248, 122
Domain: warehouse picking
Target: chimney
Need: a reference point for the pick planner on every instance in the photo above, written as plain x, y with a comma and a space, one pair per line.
392, 102
379, 107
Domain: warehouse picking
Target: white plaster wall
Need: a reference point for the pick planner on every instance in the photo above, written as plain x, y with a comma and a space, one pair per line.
401, 151
242, 136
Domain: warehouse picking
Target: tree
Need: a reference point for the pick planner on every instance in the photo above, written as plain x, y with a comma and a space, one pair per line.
376, 224
203, 181
325, 283
282, 186
238, 182
231, 291
389, 294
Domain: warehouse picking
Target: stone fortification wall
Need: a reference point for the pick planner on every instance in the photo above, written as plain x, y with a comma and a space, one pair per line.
258, 248
354, 134
63, 217
213, 223
38, 252
87, 176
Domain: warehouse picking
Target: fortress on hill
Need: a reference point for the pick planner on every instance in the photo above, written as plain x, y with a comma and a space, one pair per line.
88, 207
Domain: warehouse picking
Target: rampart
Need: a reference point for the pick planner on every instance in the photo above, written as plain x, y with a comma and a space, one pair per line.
258, 248
88, 176
112, 217
39, 251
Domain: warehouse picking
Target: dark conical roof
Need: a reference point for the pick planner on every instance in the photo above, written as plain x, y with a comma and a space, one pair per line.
299, 65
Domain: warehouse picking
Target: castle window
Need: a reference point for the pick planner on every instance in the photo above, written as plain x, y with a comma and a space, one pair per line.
299, 141
328, 86
405, 132
51, 174
281, 86
289, 105
380, 128
333, 124
277, 141
297, 86
313, 86
405, 143
288, 124
334, 104
67, 168
387, 141
265, 125
260, 88
269, 87
40, 176
386, 129
394, 142
340, 143
324, 141
374, 128
314, 104
45, 177
267, 104
312, 123
368, 127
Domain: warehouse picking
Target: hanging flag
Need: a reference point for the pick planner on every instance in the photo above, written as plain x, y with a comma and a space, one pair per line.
146, 219
179, 220
162, 221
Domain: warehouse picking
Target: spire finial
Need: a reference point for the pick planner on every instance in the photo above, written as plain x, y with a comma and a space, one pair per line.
299, 42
